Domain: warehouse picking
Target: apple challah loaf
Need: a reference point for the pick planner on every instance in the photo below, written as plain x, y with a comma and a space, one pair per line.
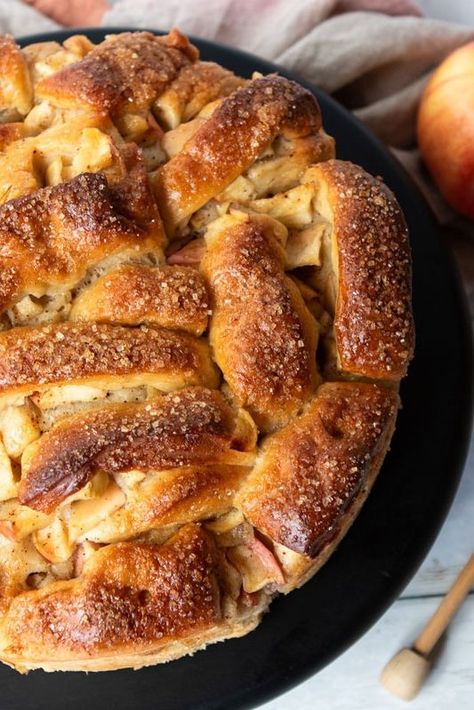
204, 322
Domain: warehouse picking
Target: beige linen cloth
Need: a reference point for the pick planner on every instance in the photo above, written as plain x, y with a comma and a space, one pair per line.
375, 63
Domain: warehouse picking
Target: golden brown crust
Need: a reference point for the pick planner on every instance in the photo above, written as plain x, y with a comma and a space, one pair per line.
34, 358
299, 568
130, 597
193, 426
132, 196
262, 336
51, 237
227, 628
46, 58
169, 296
10, 132
373, 320
16, 91
125, 73
98, 467
18, 559
195, 86
176, 496
311, 471
254, 116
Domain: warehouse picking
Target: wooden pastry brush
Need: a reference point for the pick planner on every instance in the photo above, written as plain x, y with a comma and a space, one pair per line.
405, 673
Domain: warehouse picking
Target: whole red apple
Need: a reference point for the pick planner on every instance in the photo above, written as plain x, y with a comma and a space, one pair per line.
446, 128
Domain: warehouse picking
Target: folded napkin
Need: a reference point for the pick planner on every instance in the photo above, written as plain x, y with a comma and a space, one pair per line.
375, 63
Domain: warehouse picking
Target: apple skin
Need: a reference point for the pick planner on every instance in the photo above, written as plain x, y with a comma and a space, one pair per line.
446, 128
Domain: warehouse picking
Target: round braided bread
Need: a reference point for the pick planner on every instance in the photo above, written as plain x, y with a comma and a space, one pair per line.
204, 321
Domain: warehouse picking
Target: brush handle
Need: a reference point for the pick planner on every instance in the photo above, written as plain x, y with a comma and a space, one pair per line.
435, 627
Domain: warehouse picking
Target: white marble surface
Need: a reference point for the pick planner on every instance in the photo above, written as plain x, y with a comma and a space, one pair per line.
351, 681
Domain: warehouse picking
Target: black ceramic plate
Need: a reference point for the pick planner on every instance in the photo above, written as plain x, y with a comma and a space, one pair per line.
395, 529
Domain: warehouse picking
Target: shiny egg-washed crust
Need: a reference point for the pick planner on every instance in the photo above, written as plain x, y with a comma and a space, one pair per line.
195, 86
151, 519
51, 237
132, 196
175, 496
262, 336
32, 359
134, 605
299, 568
254, 116
46, 58
172, 297
310, 472
123, 74
10, 132
16, 90
193, 426
373, 320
